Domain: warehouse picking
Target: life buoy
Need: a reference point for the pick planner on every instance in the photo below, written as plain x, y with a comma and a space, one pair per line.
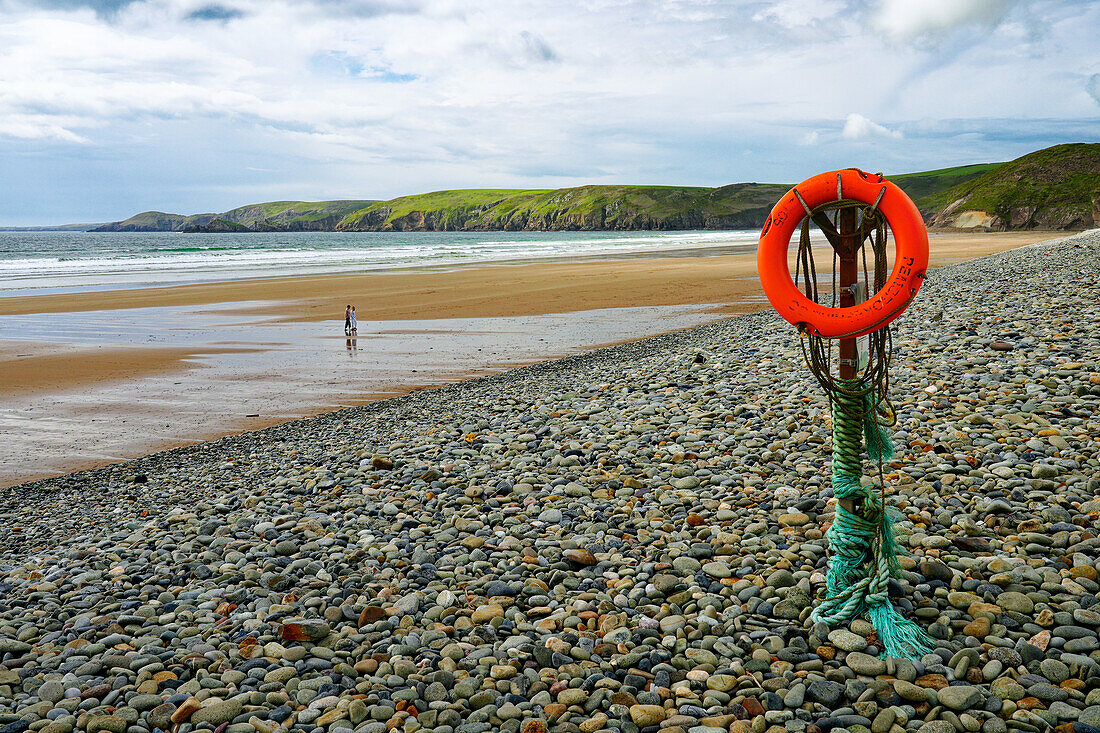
910, 261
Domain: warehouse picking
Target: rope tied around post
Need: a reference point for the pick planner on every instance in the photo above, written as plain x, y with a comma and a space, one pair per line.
863, 548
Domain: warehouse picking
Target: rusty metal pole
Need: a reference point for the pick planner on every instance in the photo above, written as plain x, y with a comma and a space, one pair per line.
847, 249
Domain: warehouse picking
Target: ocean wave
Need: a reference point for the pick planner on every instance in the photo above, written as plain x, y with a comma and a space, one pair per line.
50, 260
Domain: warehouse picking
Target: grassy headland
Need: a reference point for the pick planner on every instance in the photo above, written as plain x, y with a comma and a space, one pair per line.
738, 206
272, 216
1055, 188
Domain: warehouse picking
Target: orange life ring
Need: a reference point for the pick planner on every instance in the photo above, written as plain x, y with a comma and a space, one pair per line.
910, 261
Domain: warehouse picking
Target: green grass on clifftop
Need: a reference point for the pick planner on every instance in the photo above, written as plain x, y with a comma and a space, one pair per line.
1054, 188
919, 185
580, 208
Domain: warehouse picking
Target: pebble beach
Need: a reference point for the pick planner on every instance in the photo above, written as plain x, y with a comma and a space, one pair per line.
630, 539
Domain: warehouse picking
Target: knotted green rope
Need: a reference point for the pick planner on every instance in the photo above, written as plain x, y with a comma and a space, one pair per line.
864, 549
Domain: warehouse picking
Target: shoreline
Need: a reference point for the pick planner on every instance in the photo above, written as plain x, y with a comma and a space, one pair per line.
70, 394
945, 248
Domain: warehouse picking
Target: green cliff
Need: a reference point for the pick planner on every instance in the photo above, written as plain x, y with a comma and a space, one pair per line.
1054, 188
154, 221
740, 206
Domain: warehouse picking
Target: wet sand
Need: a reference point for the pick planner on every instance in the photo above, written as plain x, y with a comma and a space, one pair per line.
146, 369
488, 291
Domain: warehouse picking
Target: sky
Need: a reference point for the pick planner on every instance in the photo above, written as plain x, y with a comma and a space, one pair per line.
111, 107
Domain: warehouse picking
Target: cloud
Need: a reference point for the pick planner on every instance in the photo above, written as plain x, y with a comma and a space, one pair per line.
858, 127
1093, 87
215, 13
537, 48
371, 8
103, 8
799, 13
371, 98
31, 127
910, 18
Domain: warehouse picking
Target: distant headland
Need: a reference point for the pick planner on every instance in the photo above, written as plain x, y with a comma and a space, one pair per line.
1055, 188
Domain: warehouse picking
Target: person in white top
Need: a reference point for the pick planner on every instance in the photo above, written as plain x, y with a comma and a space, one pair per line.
354, 322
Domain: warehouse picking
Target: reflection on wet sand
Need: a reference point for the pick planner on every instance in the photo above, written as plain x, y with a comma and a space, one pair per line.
234, 372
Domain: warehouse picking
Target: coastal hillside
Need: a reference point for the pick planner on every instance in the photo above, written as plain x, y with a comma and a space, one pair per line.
57, 228
738, 206
927, 183
1054, 188
282, 216
273, 216
154, 221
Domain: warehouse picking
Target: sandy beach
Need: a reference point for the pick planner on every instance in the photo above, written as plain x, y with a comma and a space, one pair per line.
438, 326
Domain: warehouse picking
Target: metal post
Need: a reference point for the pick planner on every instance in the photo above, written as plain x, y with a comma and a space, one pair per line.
847, 249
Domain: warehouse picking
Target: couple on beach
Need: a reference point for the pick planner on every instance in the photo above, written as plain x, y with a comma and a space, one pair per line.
350, 324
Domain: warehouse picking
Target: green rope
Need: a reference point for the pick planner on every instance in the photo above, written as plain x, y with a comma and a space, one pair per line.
864, 548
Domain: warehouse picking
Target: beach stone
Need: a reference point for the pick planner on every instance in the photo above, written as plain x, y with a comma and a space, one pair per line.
1054, 670
826, 692
717, 570
722, 682
646, 715
108, 723
1016, 602
937, 726
847, 641
485, 613
161, 716
909, 691
217, 713
51, 690
1007, 689
961, 697
303, 630
794, 519
1044, 470
865, 664
580, 557
186, 709
883, 721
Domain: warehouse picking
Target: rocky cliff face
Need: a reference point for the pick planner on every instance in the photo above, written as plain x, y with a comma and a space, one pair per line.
608, 218
1035, 216
154, 221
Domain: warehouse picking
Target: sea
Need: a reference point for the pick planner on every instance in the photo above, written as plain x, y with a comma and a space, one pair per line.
34, 263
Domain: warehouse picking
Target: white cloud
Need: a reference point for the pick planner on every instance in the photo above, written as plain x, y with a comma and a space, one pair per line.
858, 127
800, 13
382, 97
34, 127
909, 18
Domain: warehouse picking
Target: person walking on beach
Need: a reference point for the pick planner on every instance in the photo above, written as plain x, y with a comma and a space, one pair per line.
354, 322
347, 320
